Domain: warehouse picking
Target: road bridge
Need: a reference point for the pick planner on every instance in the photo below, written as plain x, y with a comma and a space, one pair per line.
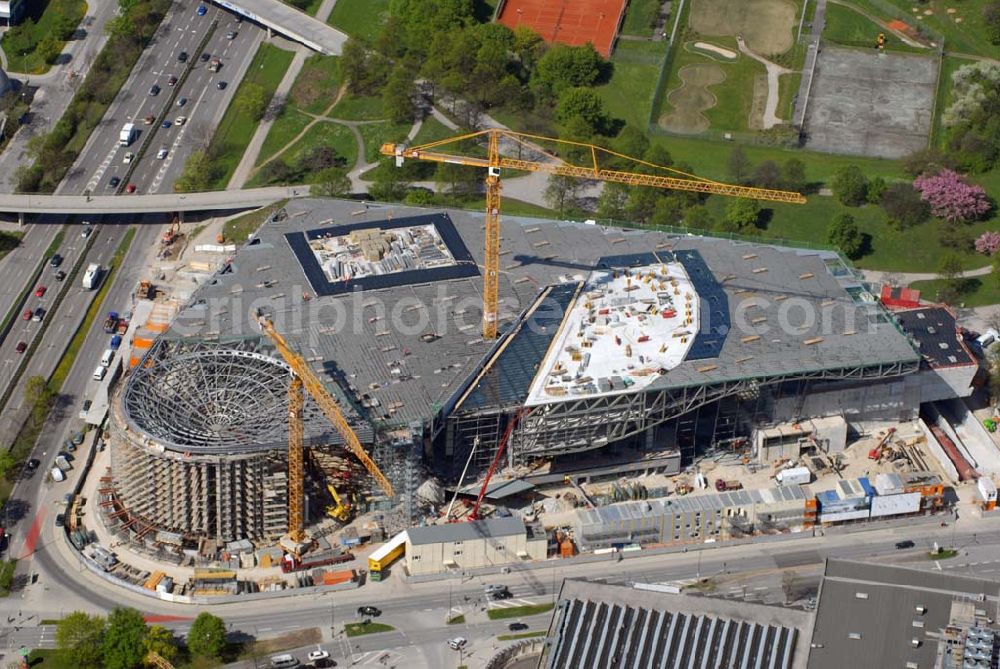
290, 22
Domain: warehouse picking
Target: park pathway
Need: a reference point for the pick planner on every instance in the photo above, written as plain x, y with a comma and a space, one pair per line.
906, 278
774, 71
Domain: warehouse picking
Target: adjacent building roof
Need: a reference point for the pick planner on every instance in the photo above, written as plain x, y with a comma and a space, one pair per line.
597, 625
868, 614
491, 528
936, 335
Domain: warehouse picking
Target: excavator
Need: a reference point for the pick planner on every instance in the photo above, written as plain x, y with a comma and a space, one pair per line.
341, 510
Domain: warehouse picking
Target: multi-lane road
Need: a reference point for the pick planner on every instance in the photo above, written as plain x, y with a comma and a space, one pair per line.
232, 42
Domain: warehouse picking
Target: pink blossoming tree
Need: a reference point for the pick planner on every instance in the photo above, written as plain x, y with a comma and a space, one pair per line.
951, 198
988, 243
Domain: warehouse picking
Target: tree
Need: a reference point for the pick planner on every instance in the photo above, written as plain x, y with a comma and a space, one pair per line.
904, 207
252, 100
793, 175
582, 103
876, 189
767, 175
49, 48
843, 233
161, 641
950, 272
320, 158
988, 243
7, 463
698, 217
397, 96
388, 183
561, 191
124, 643
565, 66
738, 165
207, 636
332, 182
80, 635
419, 197
632, 142
742, 215
991, 21
926, 161
951, 198
850, 186
198, 174
37, 391
611, 201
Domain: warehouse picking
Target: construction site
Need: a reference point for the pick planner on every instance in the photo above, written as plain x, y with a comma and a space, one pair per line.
336, 382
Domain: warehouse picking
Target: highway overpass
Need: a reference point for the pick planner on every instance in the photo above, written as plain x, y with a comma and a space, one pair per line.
290, 22
33, 203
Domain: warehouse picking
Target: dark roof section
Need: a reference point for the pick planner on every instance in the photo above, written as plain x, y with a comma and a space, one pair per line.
465, 267
508, 373
936, 334
617, 626
491, 528
715, 320
878, 603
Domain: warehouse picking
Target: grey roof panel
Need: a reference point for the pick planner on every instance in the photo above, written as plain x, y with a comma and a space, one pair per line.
478, 529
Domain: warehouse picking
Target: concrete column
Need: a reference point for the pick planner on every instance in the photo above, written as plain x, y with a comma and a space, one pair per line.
20, 218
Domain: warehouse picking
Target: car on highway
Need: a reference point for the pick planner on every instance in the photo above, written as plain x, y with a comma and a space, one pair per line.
202, 10
221, 85
181, 102
372, 611
40, 291
149, 119
285, 661
205, 56
162, 153
182, 57
517, 627
128, 157
180, 120
317, 655
60, 275
166, 124
56, 260
172, 81
114, 181
33, 463
903, 545
38, 315
60, 520
21, 347
26, 315
86, 232
458, 642
154, 90
231, 34
130, 188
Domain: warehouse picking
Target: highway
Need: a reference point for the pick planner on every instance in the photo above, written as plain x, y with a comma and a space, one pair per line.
183, 30
232, 200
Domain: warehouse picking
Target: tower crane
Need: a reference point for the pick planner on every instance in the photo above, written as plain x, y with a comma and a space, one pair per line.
304, 379
493, 162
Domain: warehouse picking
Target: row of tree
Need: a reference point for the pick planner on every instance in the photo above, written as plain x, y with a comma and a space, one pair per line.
123, 640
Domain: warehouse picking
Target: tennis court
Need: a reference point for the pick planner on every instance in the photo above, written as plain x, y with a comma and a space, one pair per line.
573, 22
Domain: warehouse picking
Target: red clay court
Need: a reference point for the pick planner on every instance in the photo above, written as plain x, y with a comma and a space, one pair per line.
568, 21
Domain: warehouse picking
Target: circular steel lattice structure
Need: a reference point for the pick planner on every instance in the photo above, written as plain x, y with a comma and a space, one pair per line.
210, 401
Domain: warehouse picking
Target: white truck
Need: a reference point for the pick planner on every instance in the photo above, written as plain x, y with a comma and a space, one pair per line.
794, 476
92, 276
128, 134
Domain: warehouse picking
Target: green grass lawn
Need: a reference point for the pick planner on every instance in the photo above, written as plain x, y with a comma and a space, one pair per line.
359, 108
629, 93
360, 18
317, 84
521, 635
788, 86
966, 36
457, 620
432, 130
20, 43
518, 611
309, 9
977, 291
326, 133
943, 554
234, 133
359, 629
52, 659
850, 28
640, 18
237, 230
284, 129
376, 134
7, 568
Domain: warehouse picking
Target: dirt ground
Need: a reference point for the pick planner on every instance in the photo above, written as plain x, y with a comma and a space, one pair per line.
692, 98
768, 26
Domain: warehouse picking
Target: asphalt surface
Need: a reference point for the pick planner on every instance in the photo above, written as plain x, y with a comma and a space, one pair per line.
182, 30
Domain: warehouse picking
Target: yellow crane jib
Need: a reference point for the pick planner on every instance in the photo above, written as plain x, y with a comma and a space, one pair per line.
314, 387
494, 162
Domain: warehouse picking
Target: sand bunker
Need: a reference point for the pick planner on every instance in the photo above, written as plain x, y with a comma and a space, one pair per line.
718, 50
692, 98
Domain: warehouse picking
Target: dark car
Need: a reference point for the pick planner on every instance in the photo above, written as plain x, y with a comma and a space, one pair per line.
21, 347
154, 90
205, 56
56, 260
60, 275
902, 545
60, 520
182, 56
372, 611
115, 181
38, 315
501, 594
65, 455
33, 463
172, 80
517, 627
221, 85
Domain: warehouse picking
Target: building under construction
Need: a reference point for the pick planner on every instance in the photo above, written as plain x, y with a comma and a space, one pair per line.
610, 338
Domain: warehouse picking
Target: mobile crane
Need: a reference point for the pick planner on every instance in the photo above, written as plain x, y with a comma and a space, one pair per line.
555, 165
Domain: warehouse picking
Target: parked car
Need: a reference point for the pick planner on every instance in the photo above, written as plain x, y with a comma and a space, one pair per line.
60, 520
114, 181
21, 347
458, 642
56, 260
182, 56
317, 655
517, 627
372, 611
40, 291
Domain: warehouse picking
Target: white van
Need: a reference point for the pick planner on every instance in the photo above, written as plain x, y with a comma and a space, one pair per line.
284, 661
100, 372
108, 356
57, 474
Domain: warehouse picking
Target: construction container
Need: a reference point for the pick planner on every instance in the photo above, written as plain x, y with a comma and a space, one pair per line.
333, 577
